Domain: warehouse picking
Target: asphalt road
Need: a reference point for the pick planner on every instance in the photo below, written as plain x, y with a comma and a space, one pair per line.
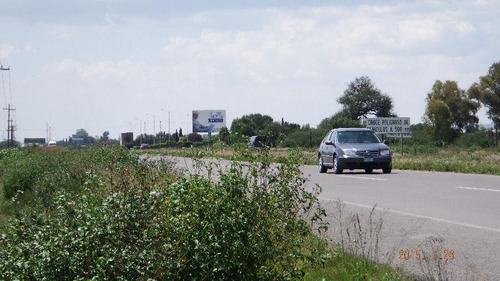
455, 217
451, 219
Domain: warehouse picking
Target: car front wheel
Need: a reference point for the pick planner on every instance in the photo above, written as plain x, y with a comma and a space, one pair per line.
387, 170
336, 169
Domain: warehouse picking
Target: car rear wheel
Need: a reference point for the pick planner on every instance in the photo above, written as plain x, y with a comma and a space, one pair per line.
322, 168
336, 169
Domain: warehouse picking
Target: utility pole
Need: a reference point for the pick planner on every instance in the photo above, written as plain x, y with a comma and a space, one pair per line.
168, 121
10, 127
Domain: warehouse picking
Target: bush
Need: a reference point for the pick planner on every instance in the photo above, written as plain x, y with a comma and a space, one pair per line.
19, 171
195, 137
481, 139
34, 175
132, 222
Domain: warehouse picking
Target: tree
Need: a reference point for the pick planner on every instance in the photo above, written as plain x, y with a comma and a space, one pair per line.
243, 126
105, 136
339, 120
252, 124
177, 135
224, 135
195, 137
438, 117
487, 91
86, 138
82, 132
462, 109
362, 98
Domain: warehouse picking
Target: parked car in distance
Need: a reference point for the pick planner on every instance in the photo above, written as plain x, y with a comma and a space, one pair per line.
144, 146
353, 148
258, 141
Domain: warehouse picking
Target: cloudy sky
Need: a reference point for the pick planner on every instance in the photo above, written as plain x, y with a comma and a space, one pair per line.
109, 65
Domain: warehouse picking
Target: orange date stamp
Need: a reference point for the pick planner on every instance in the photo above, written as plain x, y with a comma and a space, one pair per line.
418, 254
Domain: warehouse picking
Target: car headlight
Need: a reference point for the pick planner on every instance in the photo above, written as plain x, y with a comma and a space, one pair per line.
349, 152
385, 152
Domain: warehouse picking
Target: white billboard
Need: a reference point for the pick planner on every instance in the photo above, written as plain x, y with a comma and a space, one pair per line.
390, 126
208, 121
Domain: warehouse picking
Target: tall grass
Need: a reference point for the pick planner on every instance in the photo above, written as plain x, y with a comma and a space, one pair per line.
451, 159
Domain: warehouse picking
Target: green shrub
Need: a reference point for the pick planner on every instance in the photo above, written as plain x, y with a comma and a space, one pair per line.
480, 139
20, 172
195, 137
33, 176
131, 222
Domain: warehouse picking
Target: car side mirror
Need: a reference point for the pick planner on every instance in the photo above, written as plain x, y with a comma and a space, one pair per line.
386, 142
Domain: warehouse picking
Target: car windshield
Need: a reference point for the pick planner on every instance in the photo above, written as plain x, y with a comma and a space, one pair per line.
358, 137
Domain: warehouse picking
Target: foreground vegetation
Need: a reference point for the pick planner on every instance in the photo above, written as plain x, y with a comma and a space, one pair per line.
102, 213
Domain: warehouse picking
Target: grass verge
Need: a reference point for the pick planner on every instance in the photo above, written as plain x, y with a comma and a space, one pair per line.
451, 159
344, 266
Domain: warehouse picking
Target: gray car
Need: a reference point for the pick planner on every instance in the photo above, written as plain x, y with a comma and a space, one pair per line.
353, 148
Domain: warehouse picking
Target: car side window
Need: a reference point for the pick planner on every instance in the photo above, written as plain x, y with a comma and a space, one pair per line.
333, 137
329, 136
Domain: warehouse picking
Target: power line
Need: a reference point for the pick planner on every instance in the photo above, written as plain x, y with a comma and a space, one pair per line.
3, 82
10, 88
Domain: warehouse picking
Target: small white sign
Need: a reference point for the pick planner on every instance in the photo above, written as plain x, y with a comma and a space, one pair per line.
389, 126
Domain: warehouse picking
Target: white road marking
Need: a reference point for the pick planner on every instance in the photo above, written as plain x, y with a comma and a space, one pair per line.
480, 189
362, 178
417, 216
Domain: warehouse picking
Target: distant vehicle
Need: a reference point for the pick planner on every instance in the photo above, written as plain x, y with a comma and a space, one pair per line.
353, 148
52, 143
144, 146
127, 139
258, 141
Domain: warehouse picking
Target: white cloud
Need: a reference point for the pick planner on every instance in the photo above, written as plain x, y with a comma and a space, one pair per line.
28, 47
199, 18
63, 31
464, 27
311, 42
5, 50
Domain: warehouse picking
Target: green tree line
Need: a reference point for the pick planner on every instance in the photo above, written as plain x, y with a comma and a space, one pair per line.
450, 115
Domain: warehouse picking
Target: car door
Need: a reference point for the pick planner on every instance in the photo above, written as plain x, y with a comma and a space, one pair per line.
330, 148
323, 149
